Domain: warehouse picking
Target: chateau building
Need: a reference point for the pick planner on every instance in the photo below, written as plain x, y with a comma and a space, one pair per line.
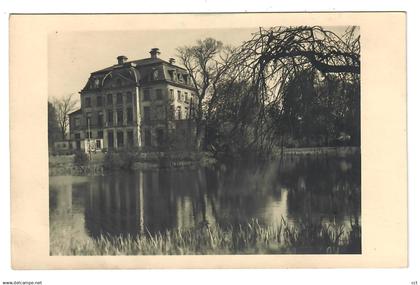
137, 103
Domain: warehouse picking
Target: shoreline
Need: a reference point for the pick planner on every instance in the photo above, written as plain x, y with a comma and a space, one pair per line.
100, 164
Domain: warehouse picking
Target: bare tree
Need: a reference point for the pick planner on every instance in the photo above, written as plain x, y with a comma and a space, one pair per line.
206, 62
63, 107
244, 88
275, 56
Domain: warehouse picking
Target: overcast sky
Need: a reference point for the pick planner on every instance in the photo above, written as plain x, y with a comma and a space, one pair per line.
72, 56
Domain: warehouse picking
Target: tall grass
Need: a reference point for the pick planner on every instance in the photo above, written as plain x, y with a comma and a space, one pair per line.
251, 238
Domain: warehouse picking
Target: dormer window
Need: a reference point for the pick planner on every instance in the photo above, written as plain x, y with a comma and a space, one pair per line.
96, 83
155, 75
171, 74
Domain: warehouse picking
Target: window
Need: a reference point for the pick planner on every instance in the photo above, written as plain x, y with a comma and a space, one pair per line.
146, 95
179, 95
159, 95
178, 113
186, 97
77, 122
119, 117
88, 102
88, 119
146, 115
109, 100
155, 75
130, 138
147, 137
171, 74
77, 136
171, 94
129, 98
98, 144
119, 98
89, 135
120, 139
100, 119
110, 116
96, 82
159, 137
129, 115
186, 113
179, 77
192, 111
171, 112
160, 113
110, 139
99, 101
100, 134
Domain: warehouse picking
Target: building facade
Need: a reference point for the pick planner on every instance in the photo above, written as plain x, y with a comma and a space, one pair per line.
140, 103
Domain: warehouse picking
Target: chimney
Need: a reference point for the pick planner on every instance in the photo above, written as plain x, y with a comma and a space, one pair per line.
121, 59
172, 60
154, 52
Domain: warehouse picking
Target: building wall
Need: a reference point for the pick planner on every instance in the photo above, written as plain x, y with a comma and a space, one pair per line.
173, 104
155, 102
118, 113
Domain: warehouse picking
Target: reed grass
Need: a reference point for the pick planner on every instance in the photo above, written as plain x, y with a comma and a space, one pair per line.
251, 238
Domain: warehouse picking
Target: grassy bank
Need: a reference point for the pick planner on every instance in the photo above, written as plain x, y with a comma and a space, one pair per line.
251, 238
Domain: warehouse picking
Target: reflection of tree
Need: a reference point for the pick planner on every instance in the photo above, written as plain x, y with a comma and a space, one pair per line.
158, 200
327, 189
239, 192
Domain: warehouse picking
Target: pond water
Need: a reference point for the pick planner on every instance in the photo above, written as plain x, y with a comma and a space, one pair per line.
303, 187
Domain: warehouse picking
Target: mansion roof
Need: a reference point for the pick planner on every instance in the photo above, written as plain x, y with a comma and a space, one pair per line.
140, 72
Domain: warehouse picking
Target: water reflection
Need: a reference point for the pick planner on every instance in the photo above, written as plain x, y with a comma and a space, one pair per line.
319, 188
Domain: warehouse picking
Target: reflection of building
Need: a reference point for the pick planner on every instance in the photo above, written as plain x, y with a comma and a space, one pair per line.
153, 201
135, 103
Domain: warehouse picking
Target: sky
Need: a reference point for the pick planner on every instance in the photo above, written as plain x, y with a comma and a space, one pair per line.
72, 56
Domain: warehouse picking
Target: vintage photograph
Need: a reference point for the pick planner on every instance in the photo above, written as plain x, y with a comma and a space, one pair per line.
205, 141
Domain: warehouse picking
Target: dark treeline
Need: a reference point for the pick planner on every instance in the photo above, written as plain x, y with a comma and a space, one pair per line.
285, 87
